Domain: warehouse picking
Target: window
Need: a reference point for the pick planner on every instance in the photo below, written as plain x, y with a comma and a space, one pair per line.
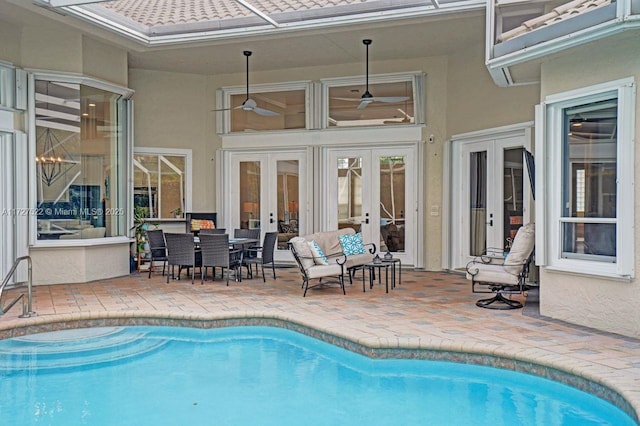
80, 158
590, 179
395, 104
270, 107
161, 178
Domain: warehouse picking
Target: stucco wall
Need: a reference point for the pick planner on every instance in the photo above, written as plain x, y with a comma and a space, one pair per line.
64, 265
601, 303
172, 110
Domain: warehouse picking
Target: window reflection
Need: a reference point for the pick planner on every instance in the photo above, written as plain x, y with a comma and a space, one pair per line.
79, 161
289, 105
346, 109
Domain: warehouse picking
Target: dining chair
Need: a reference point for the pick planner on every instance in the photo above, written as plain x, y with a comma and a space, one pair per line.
217, 254
158, 248
266, 255
213, 231
181, 252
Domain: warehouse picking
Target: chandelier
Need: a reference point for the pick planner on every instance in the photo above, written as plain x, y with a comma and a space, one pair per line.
49, 162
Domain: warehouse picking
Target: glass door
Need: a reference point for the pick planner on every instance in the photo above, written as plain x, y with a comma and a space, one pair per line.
370, 191
490, 203
268, 194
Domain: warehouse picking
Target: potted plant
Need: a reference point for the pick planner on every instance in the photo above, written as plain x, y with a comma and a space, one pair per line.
177, 213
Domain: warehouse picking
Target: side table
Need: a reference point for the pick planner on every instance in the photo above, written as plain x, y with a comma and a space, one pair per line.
372, 266
393, 261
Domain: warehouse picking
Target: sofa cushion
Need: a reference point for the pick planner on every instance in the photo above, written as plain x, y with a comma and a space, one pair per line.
318, 255
358, 260
301, 247
319, 271
352, 244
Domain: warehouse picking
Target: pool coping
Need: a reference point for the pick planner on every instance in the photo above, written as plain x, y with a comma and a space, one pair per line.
580, 374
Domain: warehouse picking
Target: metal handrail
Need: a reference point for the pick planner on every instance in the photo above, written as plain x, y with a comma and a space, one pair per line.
28, 309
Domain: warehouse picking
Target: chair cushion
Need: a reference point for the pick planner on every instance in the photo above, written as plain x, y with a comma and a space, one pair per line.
301, 247
318, 255
521, 249
324, 271
488, 273
352, 244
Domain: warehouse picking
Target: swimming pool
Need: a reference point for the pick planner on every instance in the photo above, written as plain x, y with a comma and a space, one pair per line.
263, 375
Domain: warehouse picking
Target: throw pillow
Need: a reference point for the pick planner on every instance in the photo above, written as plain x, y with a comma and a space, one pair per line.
352, 244
207, 224
319, 257
303, 251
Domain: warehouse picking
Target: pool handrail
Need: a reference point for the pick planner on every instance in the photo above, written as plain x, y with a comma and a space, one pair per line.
27, 309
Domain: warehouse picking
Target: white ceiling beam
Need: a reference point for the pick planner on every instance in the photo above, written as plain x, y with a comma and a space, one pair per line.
63, 3
258, 12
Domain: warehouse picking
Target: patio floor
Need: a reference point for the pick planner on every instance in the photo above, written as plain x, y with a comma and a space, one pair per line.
429, 311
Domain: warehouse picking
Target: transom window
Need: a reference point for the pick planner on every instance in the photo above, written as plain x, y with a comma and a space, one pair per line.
392, 99
267, 107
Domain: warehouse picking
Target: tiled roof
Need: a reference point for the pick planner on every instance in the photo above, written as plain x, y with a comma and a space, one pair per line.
166, 12
563, 12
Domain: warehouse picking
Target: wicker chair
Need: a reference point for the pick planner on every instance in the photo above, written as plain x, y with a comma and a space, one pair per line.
216, 254
158, 249
181, 252
216, 231
266, 251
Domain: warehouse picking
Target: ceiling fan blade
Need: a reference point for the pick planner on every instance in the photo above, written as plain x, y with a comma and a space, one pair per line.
264, 112
364, 104
348, 99
390, 99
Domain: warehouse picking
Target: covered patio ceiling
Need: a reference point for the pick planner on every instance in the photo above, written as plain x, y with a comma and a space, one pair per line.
399, 33
166, 22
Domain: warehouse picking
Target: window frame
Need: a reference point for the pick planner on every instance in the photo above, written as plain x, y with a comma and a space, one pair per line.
417, 83
549, 210
223, 101
124, 148
188, 172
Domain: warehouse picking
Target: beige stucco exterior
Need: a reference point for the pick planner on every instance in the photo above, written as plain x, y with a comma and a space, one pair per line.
599, 302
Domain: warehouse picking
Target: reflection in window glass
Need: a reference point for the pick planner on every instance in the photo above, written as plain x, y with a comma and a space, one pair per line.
250, 194
289, 106
159, 185
288, 201
394, 105
590, 180
79, 161
350, 192
392, 206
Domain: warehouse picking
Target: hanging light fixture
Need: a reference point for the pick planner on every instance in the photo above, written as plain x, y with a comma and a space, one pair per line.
50, 162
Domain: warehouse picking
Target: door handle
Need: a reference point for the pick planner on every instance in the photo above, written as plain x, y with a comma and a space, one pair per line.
270, 217
490, 223
366, 220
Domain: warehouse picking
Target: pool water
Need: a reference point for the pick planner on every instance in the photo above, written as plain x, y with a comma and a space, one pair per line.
263, 376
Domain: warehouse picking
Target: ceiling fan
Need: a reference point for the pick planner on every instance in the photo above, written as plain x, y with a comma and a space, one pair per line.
367, 97
249, 104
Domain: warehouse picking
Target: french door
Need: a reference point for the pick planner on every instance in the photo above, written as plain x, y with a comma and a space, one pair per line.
489, 197
373, 192
267, 191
